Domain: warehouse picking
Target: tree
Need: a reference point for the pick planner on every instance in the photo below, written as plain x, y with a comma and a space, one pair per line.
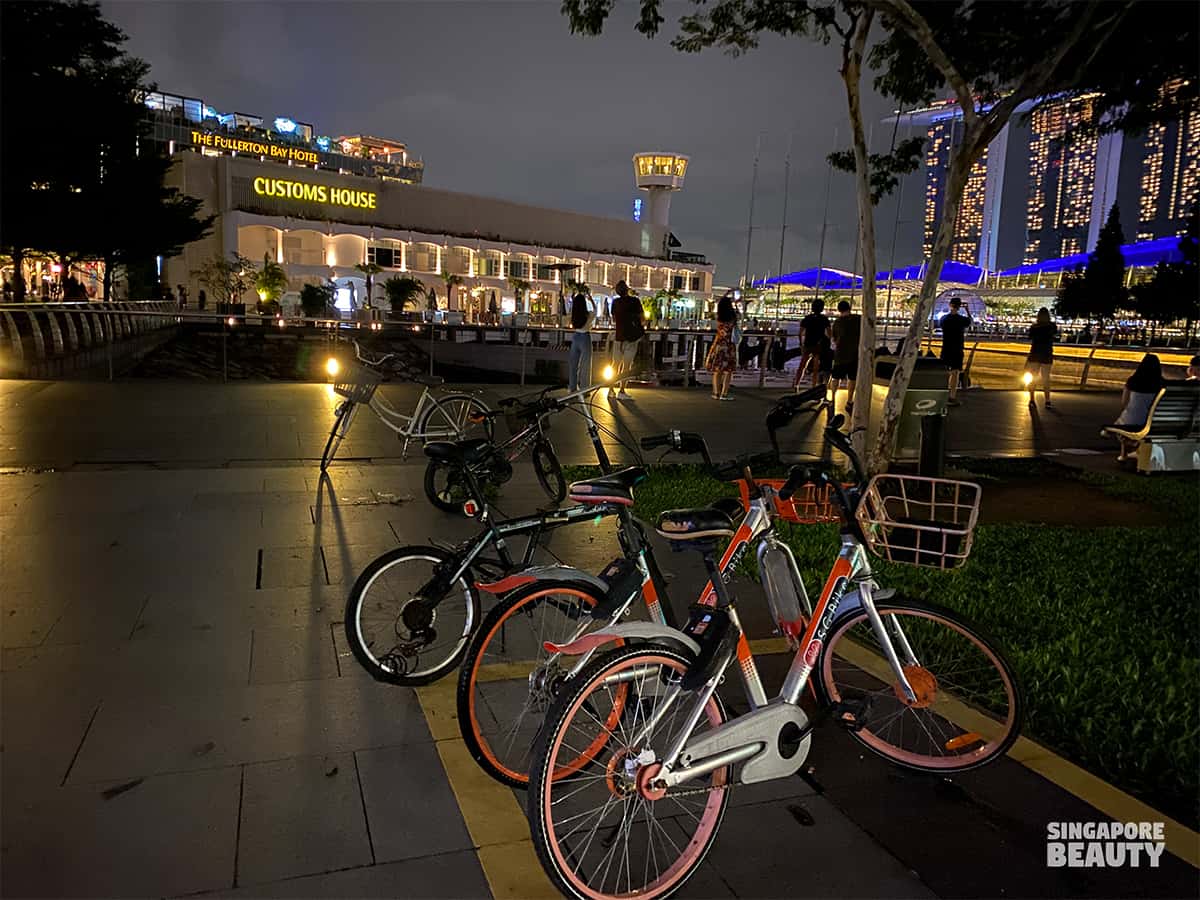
369, 270
403, 290
66, 56
315, 300
994, 56
1104, 278
519, 286
270, 283
451, 281
227, 278
1072, 301
1173, 294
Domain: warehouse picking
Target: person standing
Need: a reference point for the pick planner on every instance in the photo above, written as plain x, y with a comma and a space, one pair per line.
201, 299
182, 291
1193, 369
1041, 353
846, 329
954, 327
814, 333
628, 329
721, 359
579, 360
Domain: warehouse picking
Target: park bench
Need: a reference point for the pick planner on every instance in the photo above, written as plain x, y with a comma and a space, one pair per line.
1170, 439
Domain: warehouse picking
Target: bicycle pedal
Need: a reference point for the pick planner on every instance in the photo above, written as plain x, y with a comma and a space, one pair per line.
852, 714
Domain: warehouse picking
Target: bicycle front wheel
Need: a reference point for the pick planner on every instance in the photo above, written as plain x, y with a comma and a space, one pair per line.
455, 417
509, 678
399, 640
968, 705
610, 831
549, 471
341, 426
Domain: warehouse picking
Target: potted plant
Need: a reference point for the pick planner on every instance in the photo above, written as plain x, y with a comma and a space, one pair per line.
401, 290
227, 279
315, 300
270, 283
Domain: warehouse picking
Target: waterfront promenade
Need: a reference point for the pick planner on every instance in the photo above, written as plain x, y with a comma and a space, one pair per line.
181, 715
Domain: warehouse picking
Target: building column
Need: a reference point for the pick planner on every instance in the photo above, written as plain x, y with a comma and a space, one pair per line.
279, 246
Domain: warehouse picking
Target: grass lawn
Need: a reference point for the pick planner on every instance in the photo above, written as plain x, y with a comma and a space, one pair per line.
1101, 624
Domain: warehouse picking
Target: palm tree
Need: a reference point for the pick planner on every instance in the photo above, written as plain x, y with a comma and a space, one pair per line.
270, 283
402, 291
369, 270
451, 281
519, 286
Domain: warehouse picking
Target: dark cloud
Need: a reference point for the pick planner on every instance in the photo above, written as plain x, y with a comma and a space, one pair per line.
500, 99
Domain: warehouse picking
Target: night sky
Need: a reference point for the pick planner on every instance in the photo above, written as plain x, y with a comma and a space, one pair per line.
500, 99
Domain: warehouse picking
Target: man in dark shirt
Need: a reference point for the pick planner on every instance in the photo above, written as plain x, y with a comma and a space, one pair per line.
814, 333
627, 331
846, 329
954, 327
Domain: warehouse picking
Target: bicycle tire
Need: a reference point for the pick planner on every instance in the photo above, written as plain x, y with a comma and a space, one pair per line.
568, 866
478, 706
549, 471
360, 641
341, 426
985, 726
462, 430
440, 495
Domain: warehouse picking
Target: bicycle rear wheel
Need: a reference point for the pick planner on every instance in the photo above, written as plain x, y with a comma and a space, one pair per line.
508, 677
968, 708
549, 471
398, 640
446, 487
608, 831
347, 410
455, 417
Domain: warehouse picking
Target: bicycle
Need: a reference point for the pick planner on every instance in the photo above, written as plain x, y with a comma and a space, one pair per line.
508, 676
641, 732
452, 417
404, 598
491, 464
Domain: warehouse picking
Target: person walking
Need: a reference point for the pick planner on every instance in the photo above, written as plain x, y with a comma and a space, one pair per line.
579, 360
1041, 353
628, 329
721, 359
814, 333
846, 329
954, 327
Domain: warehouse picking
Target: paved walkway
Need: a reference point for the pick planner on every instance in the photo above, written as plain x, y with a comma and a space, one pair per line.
181, 715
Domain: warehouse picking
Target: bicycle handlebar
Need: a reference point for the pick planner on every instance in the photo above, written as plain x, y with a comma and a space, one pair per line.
679, 441
366, 360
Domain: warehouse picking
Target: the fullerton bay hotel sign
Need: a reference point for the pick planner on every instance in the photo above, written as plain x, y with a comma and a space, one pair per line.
257, 148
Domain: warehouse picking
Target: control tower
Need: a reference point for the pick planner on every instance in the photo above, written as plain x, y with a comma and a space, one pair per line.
659, 174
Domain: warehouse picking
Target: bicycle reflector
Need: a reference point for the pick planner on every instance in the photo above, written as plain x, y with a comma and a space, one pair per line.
470, 509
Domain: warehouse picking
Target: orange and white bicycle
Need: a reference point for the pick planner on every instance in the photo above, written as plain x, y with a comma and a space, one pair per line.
631, 771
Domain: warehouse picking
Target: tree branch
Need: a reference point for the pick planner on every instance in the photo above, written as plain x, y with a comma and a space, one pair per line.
916, 27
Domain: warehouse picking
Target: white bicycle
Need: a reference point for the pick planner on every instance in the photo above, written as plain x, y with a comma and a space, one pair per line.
453, 417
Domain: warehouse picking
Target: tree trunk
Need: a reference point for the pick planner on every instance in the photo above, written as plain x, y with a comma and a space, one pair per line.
956, 182
852, 77
18, 258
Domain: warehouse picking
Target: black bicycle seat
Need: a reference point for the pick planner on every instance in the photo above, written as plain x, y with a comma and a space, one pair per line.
616, 487
429, 380
694, 524
458, 452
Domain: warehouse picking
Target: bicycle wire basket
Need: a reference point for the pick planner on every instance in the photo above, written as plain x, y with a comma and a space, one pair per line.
357, 383
809, 505
520, 414
919, 521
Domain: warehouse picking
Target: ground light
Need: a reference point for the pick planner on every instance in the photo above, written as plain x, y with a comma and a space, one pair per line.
1027, 379
608, 373
332, 367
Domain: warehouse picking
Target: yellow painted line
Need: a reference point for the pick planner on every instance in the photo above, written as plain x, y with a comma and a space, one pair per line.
493, 817
1181, 841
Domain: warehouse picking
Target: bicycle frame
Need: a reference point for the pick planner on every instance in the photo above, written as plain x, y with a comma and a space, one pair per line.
850, 585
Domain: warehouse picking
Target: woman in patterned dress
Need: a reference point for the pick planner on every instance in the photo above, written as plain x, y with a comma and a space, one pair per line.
722, 355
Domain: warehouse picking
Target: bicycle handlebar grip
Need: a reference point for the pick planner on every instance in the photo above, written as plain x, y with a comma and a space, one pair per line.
797, 478
654, 441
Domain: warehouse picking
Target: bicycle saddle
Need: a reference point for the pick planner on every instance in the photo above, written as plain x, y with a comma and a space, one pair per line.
458, 452
429, 380
694, 524
616, 487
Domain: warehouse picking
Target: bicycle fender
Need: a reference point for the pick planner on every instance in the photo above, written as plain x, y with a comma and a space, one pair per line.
552, 574
650, 631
